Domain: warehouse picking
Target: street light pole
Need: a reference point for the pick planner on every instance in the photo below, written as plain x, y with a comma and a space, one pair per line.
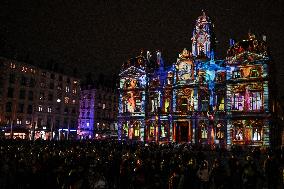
68, 131
33, 133
51, 129
11, 129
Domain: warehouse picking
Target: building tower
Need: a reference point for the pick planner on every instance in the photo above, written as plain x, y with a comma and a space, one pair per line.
202, 37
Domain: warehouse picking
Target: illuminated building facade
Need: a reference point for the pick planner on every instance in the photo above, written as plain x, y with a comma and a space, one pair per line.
98, 110
198, 99
37, 103
249, 92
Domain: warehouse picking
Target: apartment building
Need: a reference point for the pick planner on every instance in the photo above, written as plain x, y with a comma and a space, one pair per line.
37, 103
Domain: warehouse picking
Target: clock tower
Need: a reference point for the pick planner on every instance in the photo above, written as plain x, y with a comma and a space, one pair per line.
202, 38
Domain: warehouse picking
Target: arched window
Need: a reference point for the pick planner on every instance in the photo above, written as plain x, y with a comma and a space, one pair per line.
238, 101
238, 132
163, 130
167, 105
220, 134
136, 127
203, 130
256, 134
255, 99
125, 129
152, 130
204, 101
221, 102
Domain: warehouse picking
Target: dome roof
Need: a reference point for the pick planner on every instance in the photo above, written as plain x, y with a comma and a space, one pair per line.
249, 45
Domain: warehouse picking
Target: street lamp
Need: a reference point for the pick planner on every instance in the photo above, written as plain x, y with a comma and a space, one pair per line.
11, 128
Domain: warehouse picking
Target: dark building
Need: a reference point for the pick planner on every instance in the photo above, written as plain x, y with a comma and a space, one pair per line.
98, 110
37, 103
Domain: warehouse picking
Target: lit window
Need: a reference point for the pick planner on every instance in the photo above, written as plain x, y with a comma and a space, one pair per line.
12, 66
239, 134
125, 129
137, 132
43, 74
24, 69
221, 103
73, 101
66, 100
40, 108
155, 104
138, 105
255, 101
49, 109
67, 89
41, 96
167, 105
238, 101
254, 73
19, 121
104, 106
74, 91
75, 82
59, 86
163, 131
58, 100
256, 134
88, 124
204, 102
219, 132
203, 131
237, 74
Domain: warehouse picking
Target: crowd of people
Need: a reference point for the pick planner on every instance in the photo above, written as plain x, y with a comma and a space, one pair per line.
131, 165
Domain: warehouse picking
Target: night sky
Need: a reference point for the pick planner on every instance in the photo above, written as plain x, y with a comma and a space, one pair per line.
99, 35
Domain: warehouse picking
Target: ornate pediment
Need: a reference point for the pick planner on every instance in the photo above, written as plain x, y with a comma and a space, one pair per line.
256, 86
239, 88
246, 58
132, 71
245, 51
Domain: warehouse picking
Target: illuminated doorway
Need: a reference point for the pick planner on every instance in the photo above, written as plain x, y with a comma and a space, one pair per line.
182, 131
